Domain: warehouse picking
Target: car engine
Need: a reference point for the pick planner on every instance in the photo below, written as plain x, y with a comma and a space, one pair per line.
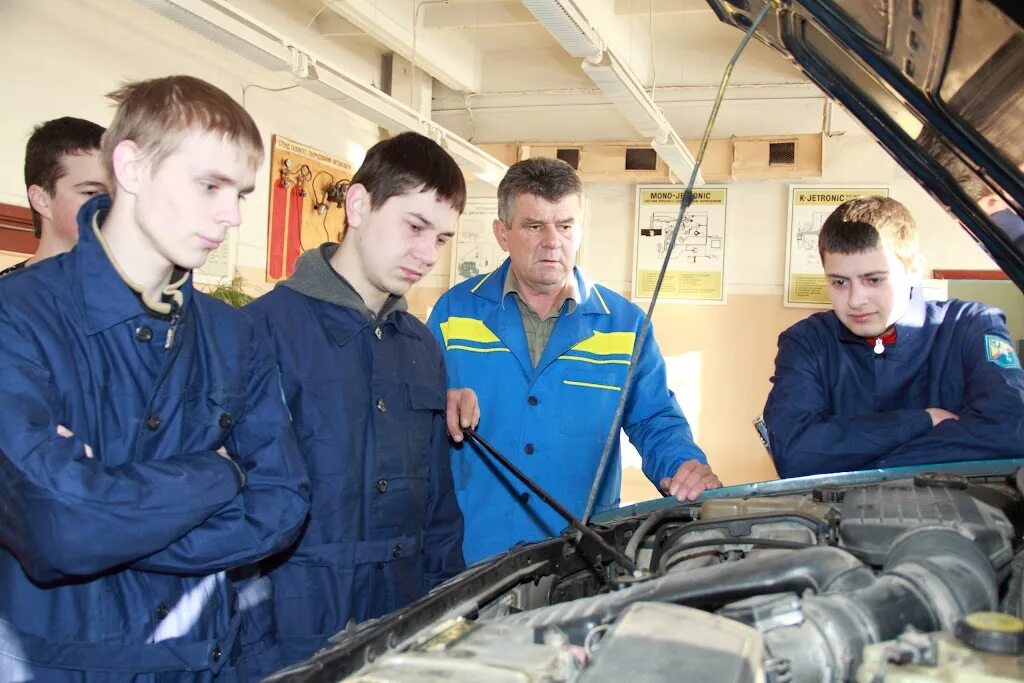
909, 580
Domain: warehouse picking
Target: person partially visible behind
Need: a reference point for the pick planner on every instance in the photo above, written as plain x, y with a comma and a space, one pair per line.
62, 172
145, 448
365, 382
886, 378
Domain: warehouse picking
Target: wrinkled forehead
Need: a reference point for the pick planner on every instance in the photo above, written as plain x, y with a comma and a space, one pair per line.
534, 207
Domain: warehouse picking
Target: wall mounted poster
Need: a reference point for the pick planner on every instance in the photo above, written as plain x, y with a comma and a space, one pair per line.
809, 206
306, 203
475, 250
696, 271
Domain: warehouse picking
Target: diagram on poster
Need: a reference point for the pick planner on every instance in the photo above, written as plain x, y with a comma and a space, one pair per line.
476, 251
809, 206
696, 265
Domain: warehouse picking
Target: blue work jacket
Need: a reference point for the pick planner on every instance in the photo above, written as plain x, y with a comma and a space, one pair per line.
837, 406
112, 567
551, 420
367, 397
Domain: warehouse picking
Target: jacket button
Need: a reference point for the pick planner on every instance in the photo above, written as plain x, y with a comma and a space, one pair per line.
215, 654
397, 552
162, 610
378, 333
529, 449
382, 486
524, 498
143, 334
380, 405
381, 565
532, 400
225, 420
153, 422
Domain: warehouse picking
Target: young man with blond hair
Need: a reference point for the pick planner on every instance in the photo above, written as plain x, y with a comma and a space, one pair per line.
887, 378
144, 445
366, 382
62, 172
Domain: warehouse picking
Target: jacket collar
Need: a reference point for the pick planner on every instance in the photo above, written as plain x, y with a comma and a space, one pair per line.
505, 321
107, 295
347, 314
316, 278
909, 328
492, 288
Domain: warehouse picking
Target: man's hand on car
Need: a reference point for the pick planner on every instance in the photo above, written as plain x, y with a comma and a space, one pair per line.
690, 480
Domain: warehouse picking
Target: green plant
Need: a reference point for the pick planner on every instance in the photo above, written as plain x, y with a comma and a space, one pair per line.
231, 294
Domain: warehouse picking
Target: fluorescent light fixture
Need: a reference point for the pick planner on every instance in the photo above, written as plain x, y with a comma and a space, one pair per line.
577, 35
230, 28
626, 92
676, 156
245, 37
567, 25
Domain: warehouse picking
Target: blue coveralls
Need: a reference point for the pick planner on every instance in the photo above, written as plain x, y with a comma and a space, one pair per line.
838, 406
551, 420
112, 568
367, 396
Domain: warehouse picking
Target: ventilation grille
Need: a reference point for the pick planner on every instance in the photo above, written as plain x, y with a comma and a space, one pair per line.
641, 159
782, 153
569, 155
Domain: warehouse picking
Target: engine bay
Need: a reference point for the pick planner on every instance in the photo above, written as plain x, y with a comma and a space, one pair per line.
920, 578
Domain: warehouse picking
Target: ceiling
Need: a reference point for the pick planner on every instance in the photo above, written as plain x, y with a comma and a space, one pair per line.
499, 76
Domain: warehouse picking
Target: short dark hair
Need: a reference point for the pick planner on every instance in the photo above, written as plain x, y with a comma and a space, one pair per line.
410, 161
49, 143
549, 179
868, 223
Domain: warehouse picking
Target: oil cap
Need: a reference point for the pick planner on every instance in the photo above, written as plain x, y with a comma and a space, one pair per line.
992, 632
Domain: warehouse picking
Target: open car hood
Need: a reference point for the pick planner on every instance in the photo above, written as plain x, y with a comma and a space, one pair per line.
937, 82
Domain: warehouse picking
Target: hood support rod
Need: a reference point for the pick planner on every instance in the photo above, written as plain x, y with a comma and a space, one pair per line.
572, 519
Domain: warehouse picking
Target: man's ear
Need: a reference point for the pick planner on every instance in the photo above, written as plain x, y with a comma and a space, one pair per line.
500, 234
40, 201
130, 166
357, 205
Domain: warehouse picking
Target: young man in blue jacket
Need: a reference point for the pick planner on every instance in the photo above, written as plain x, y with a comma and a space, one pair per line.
546, 352
365, 382
887, 378
62, 171
144, 445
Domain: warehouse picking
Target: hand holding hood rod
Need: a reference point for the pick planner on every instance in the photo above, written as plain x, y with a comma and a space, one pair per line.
572, 519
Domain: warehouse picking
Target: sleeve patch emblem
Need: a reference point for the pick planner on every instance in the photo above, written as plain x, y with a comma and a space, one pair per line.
1000, 352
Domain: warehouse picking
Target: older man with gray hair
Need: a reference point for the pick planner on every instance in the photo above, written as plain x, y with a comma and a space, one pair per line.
546, 352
